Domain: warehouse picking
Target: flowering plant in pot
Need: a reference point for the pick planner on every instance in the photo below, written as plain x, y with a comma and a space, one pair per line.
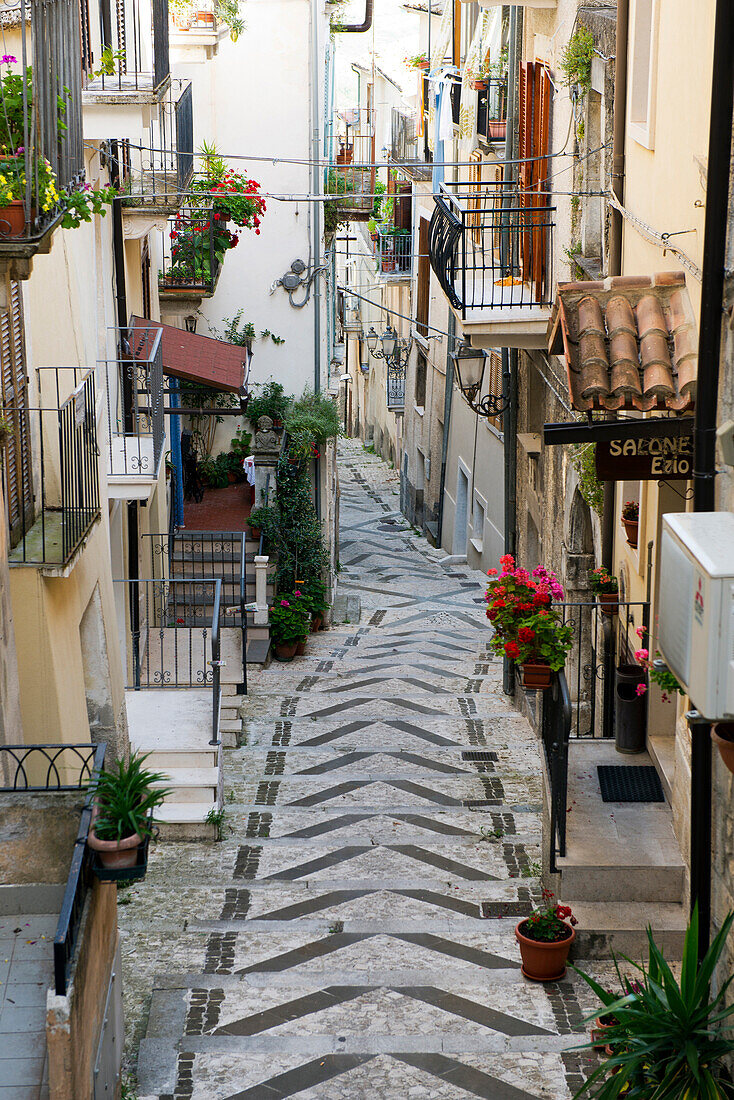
513, 594
124, 800
671, 1036
543, 640
545, 938
314, 599
606, 587
657, 670
289, 622
257, 519
417, 61
631, 521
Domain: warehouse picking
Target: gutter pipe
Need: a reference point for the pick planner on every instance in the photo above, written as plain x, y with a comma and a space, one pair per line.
704, 430
358, 28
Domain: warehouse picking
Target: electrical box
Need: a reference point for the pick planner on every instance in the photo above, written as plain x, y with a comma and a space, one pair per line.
696, 607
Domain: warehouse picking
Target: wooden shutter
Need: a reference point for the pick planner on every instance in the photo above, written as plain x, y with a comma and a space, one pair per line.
404, 205
494, 365
540, 174
525, 146
17, 467
424, 279
474, 219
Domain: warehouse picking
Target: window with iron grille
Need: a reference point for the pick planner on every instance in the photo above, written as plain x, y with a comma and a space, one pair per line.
16, 455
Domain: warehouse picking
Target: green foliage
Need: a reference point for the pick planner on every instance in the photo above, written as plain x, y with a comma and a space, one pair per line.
240, 444
110, 62
309, 422
576, 58
215, 471
583, 458
125, 796
128, 1084
217, 818
261, 517
602, 582
301, 554
290, 619
228, 12
272, 401
669, 1037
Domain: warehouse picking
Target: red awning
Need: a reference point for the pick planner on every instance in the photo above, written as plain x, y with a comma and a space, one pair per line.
192, 357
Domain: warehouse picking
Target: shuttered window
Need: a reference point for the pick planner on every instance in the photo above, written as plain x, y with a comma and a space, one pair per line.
17, 467
424, 279
534, 131
493, 374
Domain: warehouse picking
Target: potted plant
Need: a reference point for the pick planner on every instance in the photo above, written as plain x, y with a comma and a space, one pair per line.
606, 588
545, 938
314, 599
543, 640
272, 401
670, 1038
526, 627
418, 61
722, 735
631, 521
288, 624
257, 519
124, 800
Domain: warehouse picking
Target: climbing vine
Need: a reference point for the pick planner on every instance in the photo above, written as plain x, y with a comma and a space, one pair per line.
576, 59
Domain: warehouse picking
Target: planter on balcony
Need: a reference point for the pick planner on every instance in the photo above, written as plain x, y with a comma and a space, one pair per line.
12, 219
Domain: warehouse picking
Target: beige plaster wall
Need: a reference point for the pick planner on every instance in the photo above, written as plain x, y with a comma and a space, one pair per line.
11, 729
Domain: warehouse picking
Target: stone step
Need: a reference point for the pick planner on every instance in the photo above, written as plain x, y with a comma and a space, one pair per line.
618, 883
189, 785
620, 928
258, 651
186, 821
165, 760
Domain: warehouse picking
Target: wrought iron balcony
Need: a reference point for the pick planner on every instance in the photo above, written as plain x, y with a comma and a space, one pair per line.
394, 252
131, 48
51, 478
404, 142
491, 248
42, 135
492, 110
153, 174
351, 178
351, 313
135, 419
194, 247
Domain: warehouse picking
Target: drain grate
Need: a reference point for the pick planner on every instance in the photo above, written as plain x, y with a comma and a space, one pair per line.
487, 757
629, 783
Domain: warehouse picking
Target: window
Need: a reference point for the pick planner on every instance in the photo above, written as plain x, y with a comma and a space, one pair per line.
642, 82
421, 369
534, 128
145, 277
16, 466
493, 374
424, 280
478, 520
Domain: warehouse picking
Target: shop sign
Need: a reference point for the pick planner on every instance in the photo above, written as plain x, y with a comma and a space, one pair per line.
640, 458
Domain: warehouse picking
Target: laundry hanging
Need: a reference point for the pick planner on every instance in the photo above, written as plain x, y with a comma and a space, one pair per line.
485, 45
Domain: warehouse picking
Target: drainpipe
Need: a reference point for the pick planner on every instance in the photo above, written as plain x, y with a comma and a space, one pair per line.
448, 395
704, 432
618, 138
316, 189
358, 28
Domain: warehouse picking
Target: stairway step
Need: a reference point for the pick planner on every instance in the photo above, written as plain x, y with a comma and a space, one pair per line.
258, 650
185, 821
603, 883
168, 760
614, 928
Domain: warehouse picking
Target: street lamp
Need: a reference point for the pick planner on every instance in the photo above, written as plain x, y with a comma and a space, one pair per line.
469, 366
395, 350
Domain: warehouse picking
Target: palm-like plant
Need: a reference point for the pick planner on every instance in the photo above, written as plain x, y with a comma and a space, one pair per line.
126, 797
669, 1038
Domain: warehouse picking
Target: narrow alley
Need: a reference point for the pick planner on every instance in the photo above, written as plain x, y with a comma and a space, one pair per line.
353, 933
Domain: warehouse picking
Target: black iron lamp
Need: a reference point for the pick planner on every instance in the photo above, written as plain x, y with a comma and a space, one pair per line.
395, 350
469, 363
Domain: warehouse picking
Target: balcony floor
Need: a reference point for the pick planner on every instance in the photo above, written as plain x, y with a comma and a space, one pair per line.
43, 544
498, 314
26, 965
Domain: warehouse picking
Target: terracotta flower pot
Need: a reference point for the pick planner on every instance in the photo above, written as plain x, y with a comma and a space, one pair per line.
424, 65
479, 85
12, 219
599, 1033
544, 962
631, 527
722, 735
255, 532
114, 853
285, 651
301, 648
316, 621
536, 675
609, 603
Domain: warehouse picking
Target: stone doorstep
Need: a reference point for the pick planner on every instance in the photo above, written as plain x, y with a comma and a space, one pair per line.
186, 821
616, 883
620, 928
193, 784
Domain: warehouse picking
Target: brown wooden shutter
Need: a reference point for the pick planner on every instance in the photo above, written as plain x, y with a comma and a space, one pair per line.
456, 51
17, 467
540, 174
525, 146
404, 205
424, 279
494, 364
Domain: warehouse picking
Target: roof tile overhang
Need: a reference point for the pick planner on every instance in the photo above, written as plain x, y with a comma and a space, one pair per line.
194, 358
629, 342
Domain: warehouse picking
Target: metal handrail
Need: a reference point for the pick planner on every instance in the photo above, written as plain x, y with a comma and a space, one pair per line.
243, 608
216, 665
77, 885
556, 733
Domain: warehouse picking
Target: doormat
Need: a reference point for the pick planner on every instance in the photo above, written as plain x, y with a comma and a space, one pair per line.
629, 783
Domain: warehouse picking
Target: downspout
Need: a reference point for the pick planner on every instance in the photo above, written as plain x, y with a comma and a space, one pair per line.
316, 189
704, 432
448, 396
358, 28
510, 357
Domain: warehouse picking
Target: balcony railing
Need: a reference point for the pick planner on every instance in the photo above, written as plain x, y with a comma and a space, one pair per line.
404, 142
393, 252
492, 110
135, 419
351, 178
45, 125
193, 249
50, 469
134, 54
351, 313
153, 174
491, 246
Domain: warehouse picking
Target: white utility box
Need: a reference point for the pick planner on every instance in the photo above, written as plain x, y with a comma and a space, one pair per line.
696, 607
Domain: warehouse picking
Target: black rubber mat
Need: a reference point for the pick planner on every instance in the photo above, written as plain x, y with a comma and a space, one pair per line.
629, 783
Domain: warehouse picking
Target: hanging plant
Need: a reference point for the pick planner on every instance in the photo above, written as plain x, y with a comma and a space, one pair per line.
583, 459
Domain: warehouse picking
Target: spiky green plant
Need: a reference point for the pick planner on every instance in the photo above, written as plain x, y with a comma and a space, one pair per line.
126, 798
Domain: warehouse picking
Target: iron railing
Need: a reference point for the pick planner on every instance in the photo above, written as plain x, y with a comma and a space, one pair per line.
133, 45
395, 384
135, 419
193, 248
351, 178
600, 643
153, 173
199, 555
556, 713
50, 469
404, 141
45, 127
492, 110
394, 252
491, 246
351, 313
58, 768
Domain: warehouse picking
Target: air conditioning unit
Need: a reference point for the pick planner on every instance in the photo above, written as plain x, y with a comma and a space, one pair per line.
696, 607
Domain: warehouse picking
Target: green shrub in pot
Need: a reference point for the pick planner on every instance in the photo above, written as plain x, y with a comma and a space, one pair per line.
124, 800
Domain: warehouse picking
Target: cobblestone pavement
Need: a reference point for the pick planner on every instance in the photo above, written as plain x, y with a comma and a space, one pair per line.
353, 933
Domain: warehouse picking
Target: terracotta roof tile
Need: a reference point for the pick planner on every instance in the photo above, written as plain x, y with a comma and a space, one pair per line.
630, 342
215, 363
